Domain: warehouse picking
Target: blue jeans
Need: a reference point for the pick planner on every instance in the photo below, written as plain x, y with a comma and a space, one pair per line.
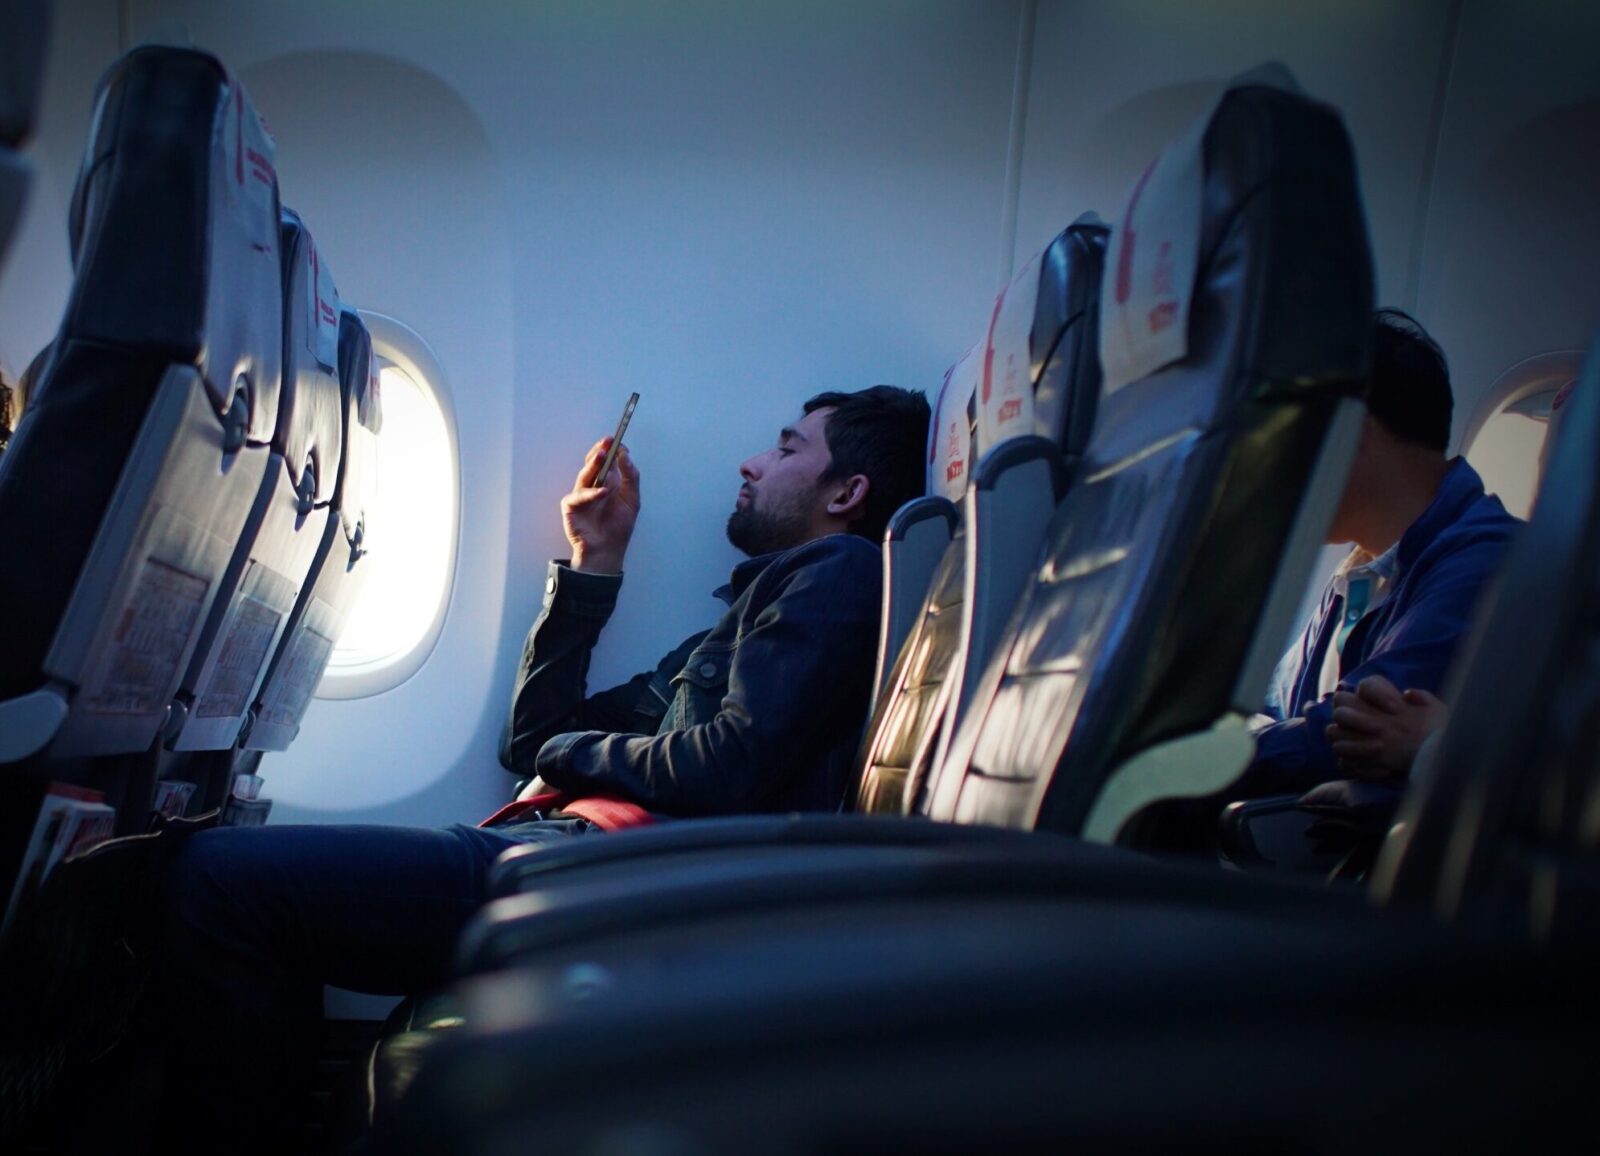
260, 918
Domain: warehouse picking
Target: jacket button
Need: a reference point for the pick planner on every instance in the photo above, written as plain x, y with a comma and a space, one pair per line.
707, 669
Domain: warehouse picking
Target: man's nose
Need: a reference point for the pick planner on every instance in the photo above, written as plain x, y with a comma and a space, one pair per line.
750, 468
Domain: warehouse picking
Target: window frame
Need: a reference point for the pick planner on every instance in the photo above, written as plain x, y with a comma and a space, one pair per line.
397, 345
1541, 373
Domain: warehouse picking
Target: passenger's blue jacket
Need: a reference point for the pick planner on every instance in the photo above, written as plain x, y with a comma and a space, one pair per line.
762, 712
1442, 564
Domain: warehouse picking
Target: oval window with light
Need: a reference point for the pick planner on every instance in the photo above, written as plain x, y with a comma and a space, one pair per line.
412, 523
1506, 440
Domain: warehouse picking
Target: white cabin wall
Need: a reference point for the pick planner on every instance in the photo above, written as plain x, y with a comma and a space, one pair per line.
1512, 239
37, 274
726, 206
1114, 80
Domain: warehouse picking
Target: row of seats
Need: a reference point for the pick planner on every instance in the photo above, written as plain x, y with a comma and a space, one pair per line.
184, 512
185, 496
1051, 680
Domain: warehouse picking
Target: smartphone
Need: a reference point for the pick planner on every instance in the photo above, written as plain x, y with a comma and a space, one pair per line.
616, 440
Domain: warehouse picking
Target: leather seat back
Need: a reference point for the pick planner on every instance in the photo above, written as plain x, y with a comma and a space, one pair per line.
135, 468
1171, 570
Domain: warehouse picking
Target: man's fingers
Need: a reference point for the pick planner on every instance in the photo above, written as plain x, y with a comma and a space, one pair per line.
1381, 693
1347, 700
622, 468
583, 496
591, 464
1423, 698
1356, 719
1360, 749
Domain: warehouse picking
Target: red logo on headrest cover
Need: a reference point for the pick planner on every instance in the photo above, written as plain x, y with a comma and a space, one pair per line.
1125, 250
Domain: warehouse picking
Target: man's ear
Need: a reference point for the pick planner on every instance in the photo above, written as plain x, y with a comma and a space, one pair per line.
849, 496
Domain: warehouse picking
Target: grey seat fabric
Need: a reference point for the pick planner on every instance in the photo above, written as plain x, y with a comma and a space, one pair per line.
283, 535
1172, 566
338, 571
135, 468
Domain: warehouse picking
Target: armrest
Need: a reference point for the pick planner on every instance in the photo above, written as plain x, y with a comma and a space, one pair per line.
524, 868
687, 898
1332, 827
916, 538
1242, 822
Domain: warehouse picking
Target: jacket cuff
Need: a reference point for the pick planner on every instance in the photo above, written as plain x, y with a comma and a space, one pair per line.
578, 592
555, 757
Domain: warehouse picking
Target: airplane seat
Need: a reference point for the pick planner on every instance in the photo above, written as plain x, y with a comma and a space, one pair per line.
1041, 337
903, 691
24, 41
1235, 338
132, 474
918, 533
326, 601
284, 534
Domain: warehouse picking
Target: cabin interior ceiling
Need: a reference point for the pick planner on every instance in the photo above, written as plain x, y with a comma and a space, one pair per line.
732, 206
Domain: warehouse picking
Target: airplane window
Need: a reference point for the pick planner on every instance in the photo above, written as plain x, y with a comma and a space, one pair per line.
411, 524
1507, 436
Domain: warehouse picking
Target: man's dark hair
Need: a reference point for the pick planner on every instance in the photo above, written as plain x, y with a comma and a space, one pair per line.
881, 432
1410, 382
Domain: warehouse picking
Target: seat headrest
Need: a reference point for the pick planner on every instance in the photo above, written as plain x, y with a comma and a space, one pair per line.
1200, 227
174, 228
1144, 307
950, 436
998, 380
309, 419
358, 371
1005, 389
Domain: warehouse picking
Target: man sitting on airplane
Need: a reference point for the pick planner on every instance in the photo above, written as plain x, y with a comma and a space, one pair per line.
1427, 540
761, 713
680, 740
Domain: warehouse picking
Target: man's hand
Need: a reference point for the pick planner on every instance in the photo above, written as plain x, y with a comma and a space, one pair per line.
1377, 728
599, 519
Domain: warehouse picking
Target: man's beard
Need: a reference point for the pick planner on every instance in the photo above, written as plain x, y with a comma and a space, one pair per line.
755, 532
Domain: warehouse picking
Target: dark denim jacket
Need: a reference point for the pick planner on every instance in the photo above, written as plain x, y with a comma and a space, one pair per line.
762, 712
